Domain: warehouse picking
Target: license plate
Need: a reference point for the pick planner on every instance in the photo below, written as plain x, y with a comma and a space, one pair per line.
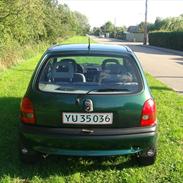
87, 118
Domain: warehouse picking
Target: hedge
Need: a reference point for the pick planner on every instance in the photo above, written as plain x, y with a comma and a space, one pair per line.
172, 40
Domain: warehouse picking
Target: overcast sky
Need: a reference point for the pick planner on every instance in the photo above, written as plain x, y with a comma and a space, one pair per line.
124, 12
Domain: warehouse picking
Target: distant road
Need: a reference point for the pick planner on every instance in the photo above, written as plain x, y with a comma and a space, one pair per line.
165, 66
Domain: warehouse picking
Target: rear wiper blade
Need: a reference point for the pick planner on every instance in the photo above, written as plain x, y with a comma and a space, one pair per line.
78, 99
108, 87
112, 89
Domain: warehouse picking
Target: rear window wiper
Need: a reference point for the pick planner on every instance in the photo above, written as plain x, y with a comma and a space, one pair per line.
78, 99
112, 89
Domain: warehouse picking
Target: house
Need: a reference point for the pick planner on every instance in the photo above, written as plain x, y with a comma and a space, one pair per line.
133, 29
134, 35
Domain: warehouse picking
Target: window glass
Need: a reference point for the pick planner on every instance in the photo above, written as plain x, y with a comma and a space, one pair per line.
82, 74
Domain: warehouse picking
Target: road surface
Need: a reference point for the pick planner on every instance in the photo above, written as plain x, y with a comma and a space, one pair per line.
165, 66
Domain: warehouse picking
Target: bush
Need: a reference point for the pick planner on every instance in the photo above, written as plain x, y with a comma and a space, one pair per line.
12, 53
172, 40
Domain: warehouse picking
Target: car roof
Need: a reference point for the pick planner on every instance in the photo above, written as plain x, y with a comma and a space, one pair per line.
93, 48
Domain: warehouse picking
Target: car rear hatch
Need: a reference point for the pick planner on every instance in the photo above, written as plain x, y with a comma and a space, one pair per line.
64, 95
49, 109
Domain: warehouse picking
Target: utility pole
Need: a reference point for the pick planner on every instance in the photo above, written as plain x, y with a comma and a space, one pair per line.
145, 23
115, 27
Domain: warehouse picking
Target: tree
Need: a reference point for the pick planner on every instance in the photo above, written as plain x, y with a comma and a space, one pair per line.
141, 27
168, 24
22, 20
27, 21
108, 27
82, 25
97, 31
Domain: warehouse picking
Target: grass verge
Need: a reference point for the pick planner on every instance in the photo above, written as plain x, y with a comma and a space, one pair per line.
168, 167
13, 54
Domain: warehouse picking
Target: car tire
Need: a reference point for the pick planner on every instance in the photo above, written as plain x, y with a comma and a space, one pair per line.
148, 157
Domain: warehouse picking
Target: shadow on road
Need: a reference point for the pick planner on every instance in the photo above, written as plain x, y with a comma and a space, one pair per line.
146, 50
176, 77
180, 59
181, 63
135, 46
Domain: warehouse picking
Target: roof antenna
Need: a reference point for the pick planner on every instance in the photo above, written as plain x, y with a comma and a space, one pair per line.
89, 42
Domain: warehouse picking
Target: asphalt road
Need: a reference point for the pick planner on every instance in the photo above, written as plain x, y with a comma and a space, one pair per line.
163, 65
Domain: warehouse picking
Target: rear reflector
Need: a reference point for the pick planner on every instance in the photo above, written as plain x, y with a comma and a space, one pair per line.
148, 117
27, 112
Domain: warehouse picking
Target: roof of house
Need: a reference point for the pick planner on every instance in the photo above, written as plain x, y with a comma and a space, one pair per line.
133, 29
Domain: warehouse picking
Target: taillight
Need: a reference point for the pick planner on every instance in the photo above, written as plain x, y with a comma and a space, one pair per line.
148, 117
27, 111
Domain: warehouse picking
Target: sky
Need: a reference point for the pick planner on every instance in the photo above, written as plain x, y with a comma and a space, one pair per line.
124, 12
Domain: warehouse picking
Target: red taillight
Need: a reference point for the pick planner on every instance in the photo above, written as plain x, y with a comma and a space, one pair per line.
27, 112
148, 117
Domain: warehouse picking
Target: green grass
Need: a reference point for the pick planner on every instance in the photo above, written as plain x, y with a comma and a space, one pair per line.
168, 167
77, 39
13, 53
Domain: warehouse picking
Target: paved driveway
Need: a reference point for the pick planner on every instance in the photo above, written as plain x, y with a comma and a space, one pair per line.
165, 66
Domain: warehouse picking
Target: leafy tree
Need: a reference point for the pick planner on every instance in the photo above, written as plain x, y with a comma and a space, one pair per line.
82, 25
108, 27
22, 20
97, 31
27, 21
141, 26
172, 24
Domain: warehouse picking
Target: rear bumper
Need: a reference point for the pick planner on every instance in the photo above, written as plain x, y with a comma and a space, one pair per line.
101, 142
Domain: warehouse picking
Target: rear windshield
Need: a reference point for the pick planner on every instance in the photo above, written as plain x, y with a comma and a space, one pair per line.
89, 74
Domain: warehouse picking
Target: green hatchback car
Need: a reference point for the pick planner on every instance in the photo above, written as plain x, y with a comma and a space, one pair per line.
88, 100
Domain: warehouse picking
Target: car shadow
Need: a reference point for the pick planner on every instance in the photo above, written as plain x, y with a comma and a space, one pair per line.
10, 164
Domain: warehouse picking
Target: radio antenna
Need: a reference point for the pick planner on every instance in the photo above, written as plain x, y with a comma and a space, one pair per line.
89, 42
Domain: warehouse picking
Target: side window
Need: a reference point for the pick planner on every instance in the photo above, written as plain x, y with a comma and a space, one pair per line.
132, 70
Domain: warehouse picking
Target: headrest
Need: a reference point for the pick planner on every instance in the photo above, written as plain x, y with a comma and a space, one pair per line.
113, 68
107, 61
